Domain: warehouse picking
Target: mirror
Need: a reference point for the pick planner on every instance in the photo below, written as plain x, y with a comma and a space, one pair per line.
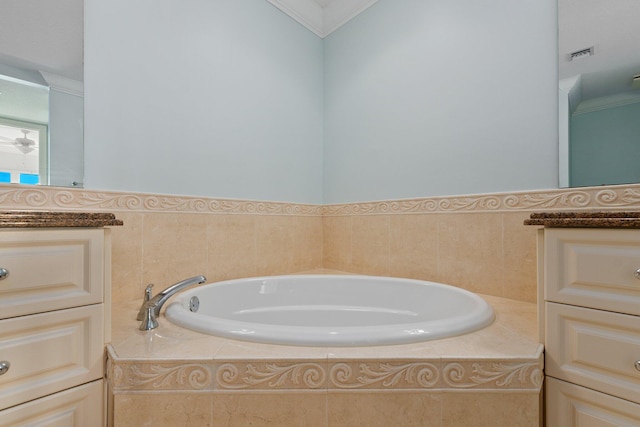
41, 92
599, 92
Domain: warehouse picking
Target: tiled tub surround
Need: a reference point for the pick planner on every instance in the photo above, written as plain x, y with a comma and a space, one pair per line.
475, 242
172, 376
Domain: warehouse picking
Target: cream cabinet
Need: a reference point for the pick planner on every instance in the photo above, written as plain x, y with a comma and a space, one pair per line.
591, 321
54, 307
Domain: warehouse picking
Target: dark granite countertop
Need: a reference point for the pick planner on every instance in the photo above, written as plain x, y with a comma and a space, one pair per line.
586, 219
32, 219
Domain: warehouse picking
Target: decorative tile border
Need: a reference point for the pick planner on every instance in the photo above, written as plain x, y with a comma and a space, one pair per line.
53, 198
271, 376
157, 376
385, 375
612, 197
343, 375
496, 375
485, 375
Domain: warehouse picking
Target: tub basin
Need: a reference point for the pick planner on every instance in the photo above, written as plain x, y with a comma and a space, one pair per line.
330, 310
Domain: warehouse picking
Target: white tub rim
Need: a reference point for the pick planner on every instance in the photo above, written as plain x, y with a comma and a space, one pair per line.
399, 333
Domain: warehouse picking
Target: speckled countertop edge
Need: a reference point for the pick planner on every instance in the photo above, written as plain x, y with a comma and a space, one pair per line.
33, 219
593, 219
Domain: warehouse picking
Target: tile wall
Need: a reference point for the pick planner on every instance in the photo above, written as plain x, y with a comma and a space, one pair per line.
402, 409
489, 253
476, 242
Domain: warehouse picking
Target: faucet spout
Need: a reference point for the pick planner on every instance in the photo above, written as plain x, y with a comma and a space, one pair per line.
151, 306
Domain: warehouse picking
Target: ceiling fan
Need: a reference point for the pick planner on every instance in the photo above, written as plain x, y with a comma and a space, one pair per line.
22, 143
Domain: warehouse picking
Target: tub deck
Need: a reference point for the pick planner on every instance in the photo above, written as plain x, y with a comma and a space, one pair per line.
492, 373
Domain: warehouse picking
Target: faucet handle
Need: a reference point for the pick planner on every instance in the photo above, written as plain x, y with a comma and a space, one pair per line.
148, 294
149, 320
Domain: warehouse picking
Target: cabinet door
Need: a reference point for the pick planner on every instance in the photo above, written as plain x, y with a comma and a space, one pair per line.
593, 268
50, 270
49, 352
77, 407
594, 348
569, 405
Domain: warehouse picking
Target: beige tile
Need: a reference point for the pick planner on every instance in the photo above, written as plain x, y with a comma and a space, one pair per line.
517, 316
470, 251
246, 350
520, 262
397, 409
511, 409
336, 242
168, 341
512, 335
175, 247
307, 243
258, 410
271, 375
162, 410
370, 245
362, 374
414, 246
126, 258
274, 245
232, 246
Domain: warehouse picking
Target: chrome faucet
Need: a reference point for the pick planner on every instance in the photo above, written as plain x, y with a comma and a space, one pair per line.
151, 306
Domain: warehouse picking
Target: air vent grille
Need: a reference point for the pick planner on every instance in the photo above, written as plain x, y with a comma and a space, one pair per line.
581, 53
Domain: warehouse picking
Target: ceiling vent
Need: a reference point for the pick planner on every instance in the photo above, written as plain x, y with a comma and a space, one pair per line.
583, 53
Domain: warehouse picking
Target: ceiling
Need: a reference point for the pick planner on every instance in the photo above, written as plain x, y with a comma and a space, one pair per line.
47, 35
322, 16
43, 35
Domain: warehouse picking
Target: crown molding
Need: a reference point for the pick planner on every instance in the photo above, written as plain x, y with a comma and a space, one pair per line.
338, 13
606, 102
322, 18
64, 84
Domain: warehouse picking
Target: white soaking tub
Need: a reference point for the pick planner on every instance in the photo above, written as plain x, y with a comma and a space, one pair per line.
330, 310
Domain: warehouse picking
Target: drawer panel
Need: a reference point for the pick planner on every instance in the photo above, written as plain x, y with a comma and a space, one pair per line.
594, 348
569, 405
50, 270
593, 268
77, 407
50, 352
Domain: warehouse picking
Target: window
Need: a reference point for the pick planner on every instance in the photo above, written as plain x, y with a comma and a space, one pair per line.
23, 152
29, 178
24, 118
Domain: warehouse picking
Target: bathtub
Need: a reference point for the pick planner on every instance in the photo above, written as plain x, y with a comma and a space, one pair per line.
330, 310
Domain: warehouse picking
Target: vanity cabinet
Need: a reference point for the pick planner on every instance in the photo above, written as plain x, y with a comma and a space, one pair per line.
591, 323
54, 308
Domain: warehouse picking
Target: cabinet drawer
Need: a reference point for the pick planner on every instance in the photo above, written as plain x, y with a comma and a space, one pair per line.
50, 270
594, 348
569, 405
78, 407
593, 268
50, 352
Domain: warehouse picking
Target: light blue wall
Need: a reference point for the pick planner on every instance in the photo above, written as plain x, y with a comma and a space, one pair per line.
439, 97
198, 97
605, 146
231, 98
